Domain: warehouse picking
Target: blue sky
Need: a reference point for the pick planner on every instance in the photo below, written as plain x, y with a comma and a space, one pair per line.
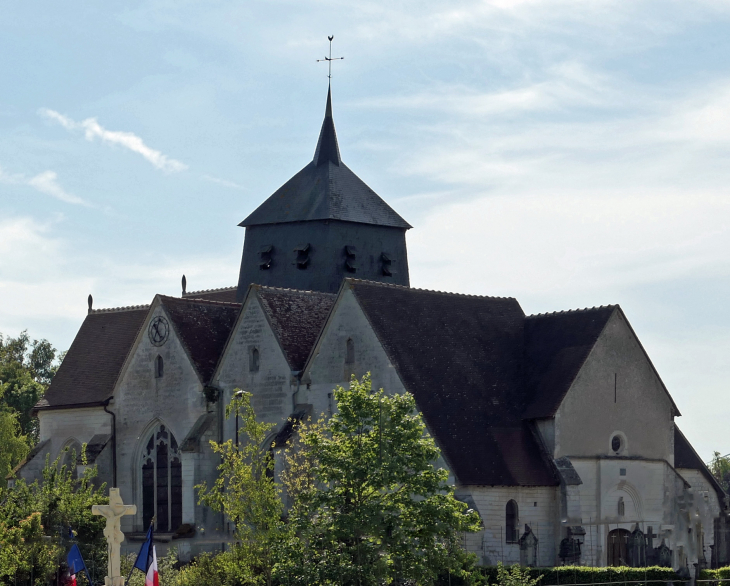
567, 153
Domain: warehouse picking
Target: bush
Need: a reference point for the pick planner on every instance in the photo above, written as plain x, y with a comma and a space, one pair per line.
560, 575
718, 574
222, 569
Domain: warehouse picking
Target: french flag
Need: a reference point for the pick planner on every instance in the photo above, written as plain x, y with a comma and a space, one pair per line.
147, 561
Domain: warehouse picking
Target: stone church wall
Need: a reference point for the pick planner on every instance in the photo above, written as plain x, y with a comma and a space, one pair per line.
271, 385
62, 425
329, 369
638, 408
142, 401
537, 507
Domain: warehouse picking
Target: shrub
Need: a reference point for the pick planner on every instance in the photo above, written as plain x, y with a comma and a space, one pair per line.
560, 575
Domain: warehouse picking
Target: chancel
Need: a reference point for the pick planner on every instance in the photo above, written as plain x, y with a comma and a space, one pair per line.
556, 428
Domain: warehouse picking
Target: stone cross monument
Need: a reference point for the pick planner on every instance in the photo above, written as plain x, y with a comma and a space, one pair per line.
114, 536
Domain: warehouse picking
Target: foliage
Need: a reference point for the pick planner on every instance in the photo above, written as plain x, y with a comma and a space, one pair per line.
26, 370
720, 468
24, 554
166, 568
246, 492
717, 574
652, 576
515, 575
224, 569
13, 445
58, 502
373, 508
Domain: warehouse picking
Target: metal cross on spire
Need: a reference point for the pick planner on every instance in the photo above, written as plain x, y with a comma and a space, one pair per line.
330, 59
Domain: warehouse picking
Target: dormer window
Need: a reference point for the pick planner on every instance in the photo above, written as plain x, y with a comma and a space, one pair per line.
350, 256
266, 257
159, 367
350, 351
253, 360
302, 256
386, 264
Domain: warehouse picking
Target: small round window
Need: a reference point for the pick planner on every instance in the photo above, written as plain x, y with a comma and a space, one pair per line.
616, 443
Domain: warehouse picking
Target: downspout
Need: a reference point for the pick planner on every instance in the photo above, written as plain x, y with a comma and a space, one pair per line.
114, 442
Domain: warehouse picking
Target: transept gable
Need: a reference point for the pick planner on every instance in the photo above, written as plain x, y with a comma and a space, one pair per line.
617, 405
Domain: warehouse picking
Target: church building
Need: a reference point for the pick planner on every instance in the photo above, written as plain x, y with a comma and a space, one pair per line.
556, 428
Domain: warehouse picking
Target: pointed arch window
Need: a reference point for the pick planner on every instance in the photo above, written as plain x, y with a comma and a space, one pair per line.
253, 360
162, 481
350, 351
159, 367
511, 522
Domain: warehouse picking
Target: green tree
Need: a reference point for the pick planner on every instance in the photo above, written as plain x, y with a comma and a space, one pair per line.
45, 511
13, 445
515, 575
246, 492
26, 370
376, 510
720, 468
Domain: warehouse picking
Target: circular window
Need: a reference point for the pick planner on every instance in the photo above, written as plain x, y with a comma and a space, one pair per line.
616, 444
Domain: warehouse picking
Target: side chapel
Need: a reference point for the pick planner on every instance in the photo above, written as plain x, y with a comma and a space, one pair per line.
556, 428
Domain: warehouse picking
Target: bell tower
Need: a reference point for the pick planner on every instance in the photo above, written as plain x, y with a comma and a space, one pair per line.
321, 226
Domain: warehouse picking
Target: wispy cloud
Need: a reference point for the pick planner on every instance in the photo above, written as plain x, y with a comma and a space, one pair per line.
92, 129
46, 182
224, 182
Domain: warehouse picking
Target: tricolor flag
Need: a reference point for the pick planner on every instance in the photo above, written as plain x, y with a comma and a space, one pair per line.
147, 561
76, 563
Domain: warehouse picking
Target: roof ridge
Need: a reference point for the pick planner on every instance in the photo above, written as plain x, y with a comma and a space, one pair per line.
579, 310
233, 288
200, 300
119, 309
449, 293
269, 287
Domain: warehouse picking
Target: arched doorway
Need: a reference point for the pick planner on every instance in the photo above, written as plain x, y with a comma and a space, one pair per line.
617, 547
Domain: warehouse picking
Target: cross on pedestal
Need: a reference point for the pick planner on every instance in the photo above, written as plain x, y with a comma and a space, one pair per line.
114, 512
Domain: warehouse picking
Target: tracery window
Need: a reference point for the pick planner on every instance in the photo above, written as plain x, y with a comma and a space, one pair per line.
162, 481
511, 521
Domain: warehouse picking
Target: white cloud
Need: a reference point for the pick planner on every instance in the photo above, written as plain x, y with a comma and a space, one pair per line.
224, 182
92, 129
45, 182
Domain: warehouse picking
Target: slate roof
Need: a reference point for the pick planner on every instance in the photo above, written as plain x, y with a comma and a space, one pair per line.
326, 189
92, 365
461, 357
296, 318
203, 327
224, 294
556, 346
686, 457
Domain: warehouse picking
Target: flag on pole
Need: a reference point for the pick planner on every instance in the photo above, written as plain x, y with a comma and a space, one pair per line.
147, 561
76, 562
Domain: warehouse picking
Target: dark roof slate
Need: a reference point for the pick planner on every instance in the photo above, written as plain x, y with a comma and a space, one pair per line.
296, 318
326, 189
203, 328
461, 357
556, 346
225, 294
686, 457
92, 365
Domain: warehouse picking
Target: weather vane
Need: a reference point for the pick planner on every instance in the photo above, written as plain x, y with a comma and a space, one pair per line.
330, 59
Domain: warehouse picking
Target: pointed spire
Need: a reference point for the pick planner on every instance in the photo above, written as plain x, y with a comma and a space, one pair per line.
327, 148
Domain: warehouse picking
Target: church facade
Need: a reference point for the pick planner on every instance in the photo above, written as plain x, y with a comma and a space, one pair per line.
556, 428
